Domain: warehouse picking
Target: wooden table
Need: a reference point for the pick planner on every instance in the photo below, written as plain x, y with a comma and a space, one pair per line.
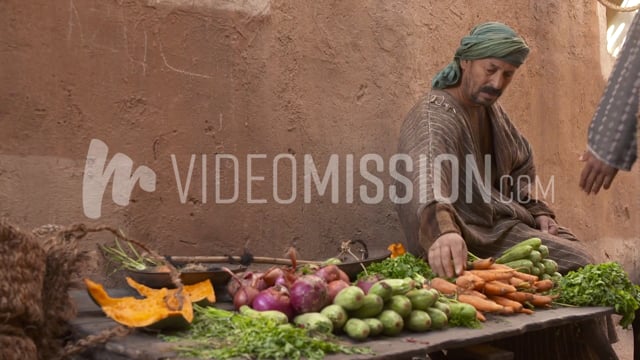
141, 345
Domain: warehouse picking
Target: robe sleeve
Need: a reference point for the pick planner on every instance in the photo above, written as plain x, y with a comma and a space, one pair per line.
613, 129
436, 220
429, 138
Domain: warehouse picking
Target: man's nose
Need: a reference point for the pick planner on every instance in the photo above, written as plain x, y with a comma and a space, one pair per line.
497, 81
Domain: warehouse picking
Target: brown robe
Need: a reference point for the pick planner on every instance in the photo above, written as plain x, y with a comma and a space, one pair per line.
491, 213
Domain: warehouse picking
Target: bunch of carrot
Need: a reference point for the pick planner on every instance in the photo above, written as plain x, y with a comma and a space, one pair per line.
496, 288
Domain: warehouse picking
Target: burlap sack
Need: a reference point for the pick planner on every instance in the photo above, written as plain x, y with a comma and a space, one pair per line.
19, 347
22, 271
36, 271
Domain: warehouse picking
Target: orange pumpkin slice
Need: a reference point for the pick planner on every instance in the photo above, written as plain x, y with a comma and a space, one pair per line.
161, 309
201, 293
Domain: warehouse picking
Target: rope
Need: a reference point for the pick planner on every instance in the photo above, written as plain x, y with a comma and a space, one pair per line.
93, 340
78, 231
613, 6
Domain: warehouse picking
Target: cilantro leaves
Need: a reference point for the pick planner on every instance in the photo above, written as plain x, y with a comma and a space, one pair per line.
605, 284
403, 266
221, 334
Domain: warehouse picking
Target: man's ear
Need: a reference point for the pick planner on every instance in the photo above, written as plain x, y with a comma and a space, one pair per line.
464, 64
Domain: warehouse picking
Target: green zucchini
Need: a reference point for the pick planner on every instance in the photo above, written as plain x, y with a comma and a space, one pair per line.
522, 265
517, 253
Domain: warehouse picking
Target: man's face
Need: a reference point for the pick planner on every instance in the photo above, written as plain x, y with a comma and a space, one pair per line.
484, 80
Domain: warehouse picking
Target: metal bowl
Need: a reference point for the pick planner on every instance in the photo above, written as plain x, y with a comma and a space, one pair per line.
353, 267
157, 280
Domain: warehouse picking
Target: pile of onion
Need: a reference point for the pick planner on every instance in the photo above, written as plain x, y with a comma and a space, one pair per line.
285, 290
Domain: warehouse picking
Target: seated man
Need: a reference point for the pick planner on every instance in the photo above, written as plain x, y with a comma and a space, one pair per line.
471, 168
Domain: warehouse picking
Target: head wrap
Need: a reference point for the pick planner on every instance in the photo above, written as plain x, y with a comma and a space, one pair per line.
488, 40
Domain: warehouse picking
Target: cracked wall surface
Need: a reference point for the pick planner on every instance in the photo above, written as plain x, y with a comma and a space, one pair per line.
198, 90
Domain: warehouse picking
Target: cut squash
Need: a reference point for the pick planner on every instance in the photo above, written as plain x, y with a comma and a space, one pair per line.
201, 293
161, 309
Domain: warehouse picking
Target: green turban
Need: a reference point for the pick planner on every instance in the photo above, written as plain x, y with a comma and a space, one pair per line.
488, 40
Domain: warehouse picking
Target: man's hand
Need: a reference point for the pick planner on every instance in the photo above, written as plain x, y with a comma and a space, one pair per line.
547, 224
595, 174
448, 255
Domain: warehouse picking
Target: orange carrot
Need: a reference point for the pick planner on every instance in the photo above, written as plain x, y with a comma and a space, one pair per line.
444, 286
525, 277
465, 282
543, 285
507, 310
482, 264
499, 267
541, 300
519, 296
519, 283
474, 293
480, 303
479, 282
490, 275
498, 288
500, 300
480, 316
524, 310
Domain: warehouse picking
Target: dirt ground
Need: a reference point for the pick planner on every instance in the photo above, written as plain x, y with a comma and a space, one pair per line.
624, 347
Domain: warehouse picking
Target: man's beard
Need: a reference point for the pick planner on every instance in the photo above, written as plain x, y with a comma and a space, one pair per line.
487, 90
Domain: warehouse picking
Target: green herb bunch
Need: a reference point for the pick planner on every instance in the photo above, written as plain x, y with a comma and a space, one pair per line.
403, 266
605, 284
127, 257
222, 334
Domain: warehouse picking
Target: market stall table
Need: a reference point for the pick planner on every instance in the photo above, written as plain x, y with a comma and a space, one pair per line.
144, 345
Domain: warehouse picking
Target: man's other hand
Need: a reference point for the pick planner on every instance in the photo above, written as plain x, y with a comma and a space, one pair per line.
448, 255
547, 224
595, 174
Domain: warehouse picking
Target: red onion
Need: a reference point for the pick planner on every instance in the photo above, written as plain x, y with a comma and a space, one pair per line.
233, 287
259, 282
246, 278
271, 276
343, 275
329, 273
309, 294
244, 296
334, 288
282, 280
366, 282
274, 298
293, 255
284, 276
244, 290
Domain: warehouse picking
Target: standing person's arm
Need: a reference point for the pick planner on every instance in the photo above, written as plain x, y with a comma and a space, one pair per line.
612, 143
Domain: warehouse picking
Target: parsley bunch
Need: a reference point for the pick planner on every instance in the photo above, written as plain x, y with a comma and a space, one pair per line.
403, 266
222, 334
605, 284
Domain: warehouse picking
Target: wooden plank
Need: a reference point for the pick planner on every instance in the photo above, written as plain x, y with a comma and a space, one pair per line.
141, 345
496, 327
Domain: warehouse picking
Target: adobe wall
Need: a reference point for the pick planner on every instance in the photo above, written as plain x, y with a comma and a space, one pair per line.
165, 78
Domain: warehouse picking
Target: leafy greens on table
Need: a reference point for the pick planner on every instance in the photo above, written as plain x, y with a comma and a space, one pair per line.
222, 334
403, 266
605, 284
